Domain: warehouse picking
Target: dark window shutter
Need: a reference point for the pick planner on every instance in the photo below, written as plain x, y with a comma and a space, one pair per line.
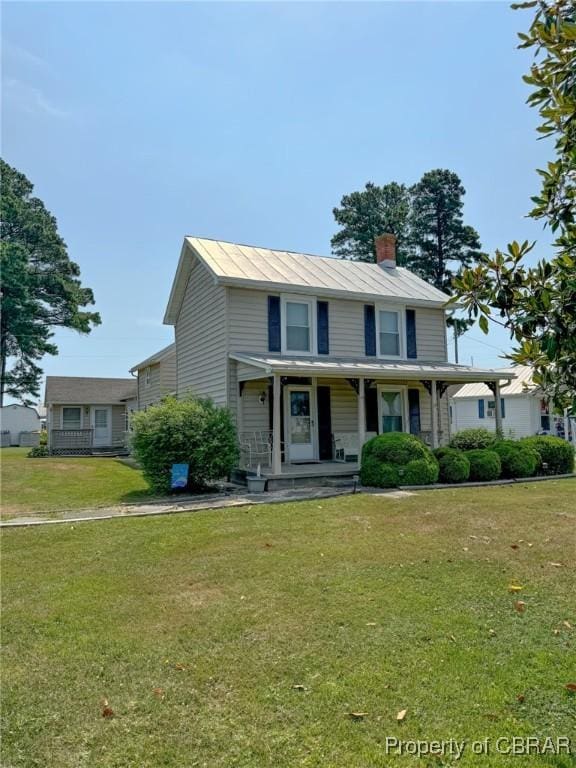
414, 411
411, 350
369, 330
502, 408
324, 424
323, 332
481, 408
274, 330
371, 408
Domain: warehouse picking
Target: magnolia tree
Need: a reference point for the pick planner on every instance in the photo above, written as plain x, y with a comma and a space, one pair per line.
537, 304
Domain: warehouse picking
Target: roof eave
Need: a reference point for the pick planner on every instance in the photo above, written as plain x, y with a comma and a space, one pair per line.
341, 293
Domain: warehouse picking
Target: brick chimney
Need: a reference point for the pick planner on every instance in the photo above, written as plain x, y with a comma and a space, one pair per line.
386, 250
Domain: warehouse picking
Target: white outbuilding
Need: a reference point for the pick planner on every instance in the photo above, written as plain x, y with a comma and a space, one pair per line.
524, 409
16, 419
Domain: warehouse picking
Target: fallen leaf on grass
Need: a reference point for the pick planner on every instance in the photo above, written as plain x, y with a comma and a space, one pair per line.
370, 623
571, 687
179, 667
159, 693
515, 588
357, 715
107, 710
567, 624
555, 631
452, 638
520, 606
513, 546
556, 565
491, 632
520, 698
299, 687
401, 715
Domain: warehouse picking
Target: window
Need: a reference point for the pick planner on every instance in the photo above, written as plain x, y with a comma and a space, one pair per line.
390, 341
147, 376
392, 409
72, 418
299, 318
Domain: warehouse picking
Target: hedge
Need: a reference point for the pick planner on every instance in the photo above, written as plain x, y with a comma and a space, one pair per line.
396, 458
470, 439
556, 456
189, 431
454, 465
517, 460
485, 464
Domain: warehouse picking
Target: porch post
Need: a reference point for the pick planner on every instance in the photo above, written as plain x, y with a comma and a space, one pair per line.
434, 409
276, 446
361, 416
498, 404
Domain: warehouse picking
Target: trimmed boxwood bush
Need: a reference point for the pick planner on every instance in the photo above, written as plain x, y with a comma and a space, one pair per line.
485, 464
454, 465
470, 439
395, 459
557, 454
517, 460
189, 431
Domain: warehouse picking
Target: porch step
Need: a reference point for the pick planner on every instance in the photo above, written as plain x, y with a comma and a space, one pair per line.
339, 476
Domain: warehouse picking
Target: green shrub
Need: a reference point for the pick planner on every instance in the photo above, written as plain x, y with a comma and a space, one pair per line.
43, 437
517, 459
470, 439
396, 458
485, 464
190, 431
38, 452
454, 465
555, 453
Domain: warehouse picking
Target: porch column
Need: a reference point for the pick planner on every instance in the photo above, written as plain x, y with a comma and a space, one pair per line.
498, 405
361, 416
276, 446
434, 410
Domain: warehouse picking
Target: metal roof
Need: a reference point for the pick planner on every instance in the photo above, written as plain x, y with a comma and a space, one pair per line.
521, 385
155, 358
73, 390
365, 366
268, 269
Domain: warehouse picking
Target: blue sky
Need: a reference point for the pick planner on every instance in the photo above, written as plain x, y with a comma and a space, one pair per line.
139, 123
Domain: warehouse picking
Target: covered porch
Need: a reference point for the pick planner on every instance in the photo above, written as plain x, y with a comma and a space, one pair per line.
308, 418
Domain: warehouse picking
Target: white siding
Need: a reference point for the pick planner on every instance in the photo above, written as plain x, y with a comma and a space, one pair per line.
151, 392
431, 335
255, 415
521, 415
248, 326
201, 338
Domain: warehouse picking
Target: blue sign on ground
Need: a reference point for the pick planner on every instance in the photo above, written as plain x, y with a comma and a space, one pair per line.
179, 476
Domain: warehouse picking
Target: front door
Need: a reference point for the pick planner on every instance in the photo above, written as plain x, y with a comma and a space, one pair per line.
102, 425
300, 427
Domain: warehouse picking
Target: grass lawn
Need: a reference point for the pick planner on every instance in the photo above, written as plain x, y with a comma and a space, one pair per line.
57, 483
245, 637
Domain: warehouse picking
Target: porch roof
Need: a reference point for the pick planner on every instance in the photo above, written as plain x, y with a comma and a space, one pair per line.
258, 365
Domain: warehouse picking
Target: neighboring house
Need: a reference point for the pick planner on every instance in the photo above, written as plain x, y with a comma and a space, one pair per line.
87, 415
524, 411
156, 377
16, 418
311, 354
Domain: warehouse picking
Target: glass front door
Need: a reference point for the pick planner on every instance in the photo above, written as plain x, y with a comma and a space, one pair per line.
300, 422
392, 411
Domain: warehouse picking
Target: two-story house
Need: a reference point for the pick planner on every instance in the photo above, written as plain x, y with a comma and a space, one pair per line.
313, 354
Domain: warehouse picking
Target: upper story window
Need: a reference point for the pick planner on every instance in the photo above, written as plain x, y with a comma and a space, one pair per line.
147, 376
390, 332
299, 332
72, 418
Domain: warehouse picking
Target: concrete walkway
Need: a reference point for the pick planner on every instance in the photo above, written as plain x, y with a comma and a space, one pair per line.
173, 506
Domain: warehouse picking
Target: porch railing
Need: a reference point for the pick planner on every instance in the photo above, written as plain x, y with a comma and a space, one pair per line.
71, 442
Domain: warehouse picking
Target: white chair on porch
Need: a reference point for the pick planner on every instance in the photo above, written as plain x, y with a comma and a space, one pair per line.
256, 448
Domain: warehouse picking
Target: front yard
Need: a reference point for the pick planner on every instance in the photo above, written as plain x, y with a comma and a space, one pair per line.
58, 483
249, 637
